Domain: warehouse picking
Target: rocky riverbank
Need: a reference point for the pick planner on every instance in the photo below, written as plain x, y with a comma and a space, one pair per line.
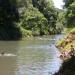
66, 45
67, 68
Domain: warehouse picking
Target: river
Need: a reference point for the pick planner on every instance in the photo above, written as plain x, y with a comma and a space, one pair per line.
32, 56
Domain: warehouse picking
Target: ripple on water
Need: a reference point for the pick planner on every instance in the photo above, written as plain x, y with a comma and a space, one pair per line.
39, 68
38, 58
8, 55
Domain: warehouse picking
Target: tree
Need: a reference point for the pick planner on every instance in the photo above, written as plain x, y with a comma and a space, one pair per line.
60, 20
35, 21
46, 7
70, 13
38, 16
8, 17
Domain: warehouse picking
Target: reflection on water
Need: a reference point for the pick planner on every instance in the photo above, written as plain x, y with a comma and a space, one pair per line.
33, 57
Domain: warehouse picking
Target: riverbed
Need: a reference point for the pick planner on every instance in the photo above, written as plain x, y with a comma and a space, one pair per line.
31, 56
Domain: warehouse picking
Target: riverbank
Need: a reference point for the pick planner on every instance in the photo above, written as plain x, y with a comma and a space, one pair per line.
68, 66
68, 40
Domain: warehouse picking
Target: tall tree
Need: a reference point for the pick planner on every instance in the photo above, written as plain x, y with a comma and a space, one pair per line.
8, 17
70, 13
46, 7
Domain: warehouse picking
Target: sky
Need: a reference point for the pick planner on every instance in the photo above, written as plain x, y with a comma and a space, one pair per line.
58, 3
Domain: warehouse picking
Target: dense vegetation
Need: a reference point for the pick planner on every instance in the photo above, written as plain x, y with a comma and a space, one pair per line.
8, 17
70, 13
21, 18
70, 23
39, 17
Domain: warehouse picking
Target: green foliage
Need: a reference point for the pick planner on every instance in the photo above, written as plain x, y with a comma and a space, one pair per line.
70, 13
25, 33
34, 22
72, 31
39, 17
60, 20
35, 17
8, 16
68, 2
46, 7
24, 3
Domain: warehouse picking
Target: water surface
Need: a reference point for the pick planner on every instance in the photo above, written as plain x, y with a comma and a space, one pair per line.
33, 56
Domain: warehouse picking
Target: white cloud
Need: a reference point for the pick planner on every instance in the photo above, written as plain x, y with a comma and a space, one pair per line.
58, 3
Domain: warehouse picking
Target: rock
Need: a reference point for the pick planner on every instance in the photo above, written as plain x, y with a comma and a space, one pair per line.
68, 67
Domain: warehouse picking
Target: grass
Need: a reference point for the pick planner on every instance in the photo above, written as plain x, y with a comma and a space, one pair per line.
70, 36
72, 31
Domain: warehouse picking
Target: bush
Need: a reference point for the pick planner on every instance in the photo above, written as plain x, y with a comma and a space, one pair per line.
34, 21
26, 33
